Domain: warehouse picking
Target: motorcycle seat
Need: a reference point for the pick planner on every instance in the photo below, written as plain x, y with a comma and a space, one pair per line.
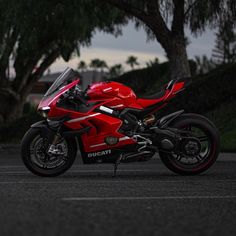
157, 95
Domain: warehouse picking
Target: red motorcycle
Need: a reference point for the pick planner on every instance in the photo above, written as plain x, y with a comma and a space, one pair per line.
110, 124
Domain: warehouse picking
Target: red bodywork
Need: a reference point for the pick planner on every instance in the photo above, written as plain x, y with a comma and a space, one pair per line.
110, 94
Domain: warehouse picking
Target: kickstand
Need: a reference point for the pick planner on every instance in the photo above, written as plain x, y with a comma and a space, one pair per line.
116, 165
115, 169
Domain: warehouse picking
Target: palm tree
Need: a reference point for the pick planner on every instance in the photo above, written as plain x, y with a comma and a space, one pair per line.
132, 61
115, 71
96, 64
103, 65
82, 66
152, 63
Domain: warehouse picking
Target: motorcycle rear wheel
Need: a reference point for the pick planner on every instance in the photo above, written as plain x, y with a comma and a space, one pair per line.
182, 164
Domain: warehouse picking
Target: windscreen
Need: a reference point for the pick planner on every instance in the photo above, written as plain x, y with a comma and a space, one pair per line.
65, 78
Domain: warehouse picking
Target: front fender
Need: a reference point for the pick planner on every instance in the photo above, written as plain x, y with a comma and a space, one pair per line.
44, 128
49, 125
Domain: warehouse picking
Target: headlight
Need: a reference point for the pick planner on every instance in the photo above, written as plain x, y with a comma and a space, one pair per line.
44, 111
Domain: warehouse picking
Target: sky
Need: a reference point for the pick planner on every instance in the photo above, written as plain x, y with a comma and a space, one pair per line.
132, 42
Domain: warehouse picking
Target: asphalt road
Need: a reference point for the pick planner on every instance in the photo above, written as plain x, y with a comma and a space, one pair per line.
144, 199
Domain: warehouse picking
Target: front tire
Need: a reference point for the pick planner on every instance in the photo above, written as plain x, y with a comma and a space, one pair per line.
34, 154
204, 162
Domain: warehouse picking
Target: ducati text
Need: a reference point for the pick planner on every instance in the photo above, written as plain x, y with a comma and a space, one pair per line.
98, 154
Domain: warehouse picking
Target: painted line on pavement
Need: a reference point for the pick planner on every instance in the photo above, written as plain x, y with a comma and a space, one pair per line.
145, 198
13, 166
111, 180
92, 181
83, 171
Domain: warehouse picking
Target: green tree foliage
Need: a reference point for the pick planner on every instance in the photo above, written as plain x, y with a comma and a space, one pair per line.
166, 21
204, 64
33, 34
225, 47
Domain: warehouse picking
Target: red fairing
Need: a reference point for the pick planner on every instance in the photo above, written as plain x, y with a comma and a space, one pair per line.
112, 95
117, 95
120, 96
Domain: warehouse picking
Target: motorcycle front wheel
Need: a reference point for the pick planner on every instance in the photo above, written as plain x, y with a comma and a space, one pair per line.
34, 153
206, 136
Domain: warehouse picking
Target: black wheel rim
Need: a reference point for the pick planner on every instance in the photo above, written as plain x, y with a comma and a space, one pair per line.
40, 158
186, 162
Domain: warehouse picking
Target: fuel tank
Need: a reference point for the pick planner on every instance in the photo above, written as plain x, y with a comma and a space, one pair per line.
117, 93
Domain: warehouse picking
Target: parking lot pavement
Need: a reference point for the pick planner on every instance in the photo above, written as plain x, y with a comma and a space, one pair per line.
144, 199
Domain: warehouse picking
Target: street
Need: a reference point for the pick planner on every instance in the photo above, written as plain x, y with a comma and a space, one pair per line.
144, 199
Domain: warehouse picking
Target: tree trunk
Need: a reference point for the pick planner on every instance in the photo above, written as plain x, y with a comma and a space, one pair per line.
16, 110
178, 59
13, 96
10, 105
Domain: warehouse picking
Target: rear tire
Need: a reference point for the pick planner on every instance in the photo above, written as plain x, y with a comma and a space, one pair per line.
211, 132
27, 152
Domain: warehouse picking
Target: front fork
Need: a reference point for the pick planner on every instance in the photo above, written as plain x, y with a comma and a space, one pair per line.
55, 136
52, 147
58, 133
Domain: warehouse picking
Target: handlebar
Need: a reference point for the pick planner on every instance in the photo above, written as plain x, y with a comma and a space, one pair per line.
83, 100
75, 94
79, 94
